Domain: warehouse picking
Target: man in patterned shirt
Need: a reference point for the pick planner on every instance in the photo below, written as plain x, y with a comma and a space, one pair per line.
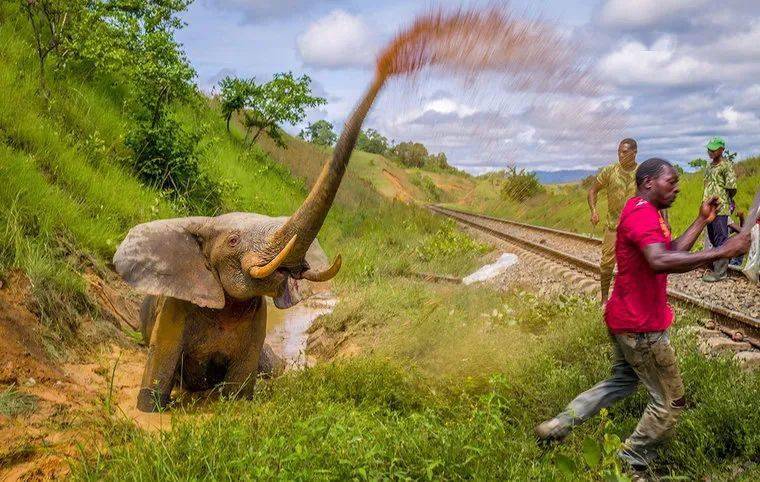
720, 181
619, 180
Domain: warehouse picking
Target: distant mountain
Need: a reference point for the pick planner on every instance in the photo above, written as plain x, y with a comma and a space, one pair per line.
559, 177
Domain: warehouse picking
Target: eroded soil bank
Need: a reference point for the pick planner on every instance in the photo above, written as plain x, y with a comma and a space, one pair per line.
54, 400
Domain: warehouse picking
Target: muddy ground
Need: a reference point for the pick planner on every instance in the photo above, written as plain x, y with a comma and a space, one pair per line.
97, 377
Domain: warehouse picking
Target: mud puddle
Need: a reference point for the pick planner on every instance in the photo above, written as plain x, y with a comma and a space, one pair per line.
287, 329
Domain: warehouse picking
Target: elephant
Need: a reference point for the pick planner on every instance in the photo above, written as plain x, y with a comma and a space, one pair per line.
204, 317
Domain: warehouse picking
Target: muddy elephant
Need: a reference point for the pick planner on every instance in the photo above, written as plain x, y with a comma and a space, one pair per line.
206, 277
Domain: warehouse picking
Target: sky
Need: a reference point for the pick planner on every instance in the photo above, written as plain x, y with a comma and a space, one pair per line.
669, 73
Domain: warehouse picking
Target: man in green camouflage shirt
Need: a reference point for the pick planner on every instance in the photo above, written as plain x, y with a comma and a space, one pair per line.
720, 181
619, 180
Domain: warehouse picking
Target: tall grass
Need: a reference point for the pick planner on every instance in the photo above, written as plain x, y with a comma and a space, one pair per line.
412, 412
13, 402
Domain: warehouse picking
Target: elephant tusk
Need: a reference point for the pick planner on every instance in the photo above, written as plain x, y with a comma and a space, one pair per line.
259, 272
326, 275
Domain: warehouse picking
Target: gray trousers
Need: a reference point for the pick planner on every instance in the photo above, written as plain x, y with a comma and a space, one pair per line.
645, 357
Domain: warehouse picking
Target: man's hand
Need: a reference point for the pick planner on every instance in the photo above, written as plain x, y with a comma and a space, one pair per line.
709, 209
594, 217
736, 245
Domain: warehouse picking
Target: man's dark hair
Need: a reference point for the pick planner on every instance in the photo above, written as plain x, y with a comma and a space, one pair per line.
650, 168
629, 142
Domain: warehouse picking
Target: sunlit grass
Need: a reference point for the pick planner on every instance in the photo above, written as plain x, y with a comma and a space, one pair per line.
410, 410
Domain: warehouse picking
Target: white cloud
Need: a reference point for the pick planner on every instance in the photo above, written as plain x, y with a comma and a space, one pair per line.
750, 97
661, 64
337, 40
645, 13
735, 118
444, 105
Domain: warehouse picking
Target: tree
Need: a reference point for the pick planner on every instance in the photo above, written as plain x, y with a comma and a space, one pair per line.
320, 133
438, 162
284, 99
235, 96
133, 41
50, 21
372, 141
410, 154
698, 163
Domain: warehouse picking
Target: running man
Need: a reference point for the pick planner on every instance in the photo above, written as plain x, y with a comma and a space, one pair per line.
638, 315
619, 181
720, 181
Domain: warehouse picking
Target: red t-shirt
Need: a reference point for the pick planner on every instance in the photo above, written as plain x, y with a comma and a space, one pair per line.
639, 301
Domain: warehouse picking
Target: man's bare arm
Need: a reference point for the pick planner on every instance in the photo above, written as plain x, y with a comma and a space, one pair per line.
592, 192
662, 260
686, 240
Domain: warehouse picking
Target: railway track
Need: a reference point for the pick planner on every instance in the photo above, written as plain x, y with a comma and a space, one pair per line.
581, 252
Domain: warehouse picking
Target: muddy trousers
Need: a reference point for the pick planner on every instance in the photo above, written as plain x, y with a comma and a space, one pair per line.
607, 264
639, 357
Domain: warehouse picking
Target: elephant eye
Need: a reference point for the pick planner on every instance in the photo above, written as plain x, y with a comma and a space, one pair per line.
233, 240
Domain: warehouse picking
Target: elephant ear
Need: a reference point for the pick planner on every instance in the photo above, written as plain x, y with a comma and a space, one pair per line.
166, 258
297, 290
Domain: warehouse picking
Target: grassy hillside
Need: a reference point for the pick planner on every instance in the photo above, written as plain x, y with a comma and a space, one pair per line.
68, 198
450, 379
569, 208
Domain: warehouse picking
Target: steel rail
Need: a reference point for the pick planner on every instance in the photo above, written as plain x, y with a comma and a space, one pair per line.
748, 321
733, 271
568, 234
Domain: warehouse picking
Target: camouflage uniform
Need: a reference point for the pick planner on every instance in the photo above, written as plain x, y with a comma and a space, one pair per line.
620, 185
719, 177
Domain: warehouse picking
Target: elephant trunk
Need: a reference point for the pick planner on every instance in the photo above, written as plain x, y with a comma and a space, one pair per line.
308, 219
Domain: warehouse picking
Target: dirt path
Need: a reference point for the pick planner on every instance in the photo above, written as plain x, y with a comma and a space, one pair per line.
402, 194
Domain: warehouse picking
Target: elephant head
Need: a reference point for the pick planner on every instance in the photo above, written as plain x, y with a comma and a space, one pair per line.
207, 260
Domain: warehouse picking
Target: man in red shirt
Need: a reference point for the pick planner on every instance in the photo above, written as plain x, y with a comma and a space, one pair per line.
638, 315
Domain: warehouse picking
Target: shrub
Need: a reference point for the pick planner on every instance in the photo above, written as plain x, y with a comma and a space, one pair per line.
433, 192
520, 185
166, 156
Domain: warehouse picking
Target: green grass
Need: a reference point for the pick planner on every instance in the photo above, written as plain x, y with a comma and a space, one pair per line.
14, 403
409, 412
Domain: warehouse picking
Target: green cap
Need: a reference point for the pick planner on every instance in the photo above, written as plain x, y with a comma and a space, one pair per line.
716, 143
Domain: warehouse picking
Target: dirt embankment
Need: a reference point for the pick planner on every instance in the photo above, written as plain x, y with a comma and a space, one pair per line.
402, 194
50, 403
56, 398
